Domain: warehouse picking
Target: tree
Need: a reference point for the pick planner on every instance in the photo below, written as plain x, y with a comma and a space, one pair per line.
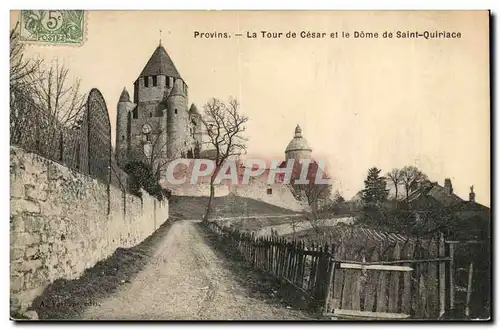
24, 73
141, 177
409, 175
44, 103
375, 191
395, 176
153, 153
312, 192
57, 96
338, 198
224, 125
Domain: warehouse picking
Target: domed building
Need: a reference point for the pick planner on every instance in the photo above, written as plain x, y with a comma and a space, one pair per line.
298, 148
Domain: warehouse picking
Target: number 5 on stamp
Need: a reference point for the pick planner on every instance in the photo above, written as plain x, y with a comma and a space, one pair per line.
53, 26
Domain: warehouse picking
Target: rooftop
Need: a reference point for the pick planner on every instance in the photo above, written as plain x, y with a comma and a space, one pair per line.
160, 63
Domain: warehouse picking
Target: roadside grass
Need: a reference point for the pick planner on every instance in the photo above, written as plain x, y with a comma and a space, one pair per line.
258, 283
231, 205
67, 299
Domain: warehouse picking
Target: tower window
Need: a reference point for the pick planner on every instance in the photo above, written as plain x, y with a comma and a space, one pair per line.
148, 137
168, 82
269, 191
175, 111
154, 80
135, 114
123, 137
150, 115
146, 81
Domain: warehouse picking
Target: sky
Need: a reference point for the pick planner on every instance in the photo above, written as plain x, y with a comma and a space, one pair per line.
361, 102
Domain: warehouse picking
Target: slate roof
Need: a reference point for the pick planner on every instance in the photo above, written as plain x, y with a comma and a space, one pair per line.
193, 109
432, 192
124, 96
208, 154
160, 63
436, 192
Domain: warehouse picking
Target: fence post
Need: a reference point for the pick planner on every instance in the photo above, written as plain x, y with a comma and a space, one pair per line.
253, 249
452, 275
469, 290
442, 278
328, 293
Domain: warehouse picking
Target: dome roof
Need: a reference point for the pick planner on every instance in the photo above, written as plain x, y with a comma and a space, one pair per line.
298, 142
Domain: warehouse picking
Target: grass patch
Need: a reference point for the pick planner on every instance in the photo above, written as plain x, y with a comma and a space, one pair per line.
67, 299
258, 283
231, 205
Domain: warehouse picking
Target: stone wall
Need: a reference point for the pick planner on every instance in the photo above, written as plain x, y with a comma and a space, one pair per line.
63, 222
275, 194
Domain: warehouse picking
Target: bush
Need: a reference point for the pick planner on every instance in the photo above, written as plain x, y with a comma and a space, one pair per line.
142, 177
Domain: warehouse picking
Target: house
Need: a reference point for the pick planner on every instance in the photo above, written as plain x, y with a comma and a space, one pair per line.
472, 220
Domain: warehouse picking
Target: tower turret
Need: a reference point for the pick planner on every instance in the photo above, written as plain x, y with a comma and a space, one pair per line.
156, 79
195, 129
122, 117
177, 120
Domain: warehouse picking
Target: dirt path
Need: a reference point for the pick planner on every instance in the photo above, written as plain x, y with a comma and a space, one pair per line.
186, 280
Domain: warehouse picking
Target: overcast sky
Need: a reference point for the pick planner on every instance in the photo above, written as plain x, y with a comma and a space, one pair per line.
360, 102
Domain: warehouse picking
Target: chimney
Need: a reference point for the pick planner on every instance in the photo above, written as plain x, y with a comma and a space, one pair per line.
472, 194
448, 188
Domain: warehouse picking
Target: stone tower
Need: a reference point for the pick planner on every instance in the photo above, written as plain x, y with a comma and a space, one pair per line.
159, 122
177, 120
122, 119
195, 129
298, 148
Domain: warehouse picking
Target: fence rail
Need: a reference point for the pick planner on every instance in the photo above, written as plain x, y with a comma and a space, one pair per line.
404, 280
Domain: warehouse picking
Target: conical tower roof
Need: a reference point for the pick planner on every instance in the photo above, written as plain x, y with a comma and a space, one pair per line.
124, 96
176, 90
160, 63
193, 109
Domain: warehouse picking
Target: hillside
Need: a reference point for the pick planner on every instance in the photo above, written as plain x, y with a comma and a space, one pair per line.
187, 207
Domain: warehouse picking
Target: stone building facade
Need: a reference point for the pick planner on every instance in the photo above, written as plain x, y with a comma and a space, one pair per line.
158, 124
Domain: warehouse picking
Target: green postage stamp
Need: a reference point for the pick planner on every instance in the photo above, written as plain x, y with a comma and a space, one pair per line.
53, 26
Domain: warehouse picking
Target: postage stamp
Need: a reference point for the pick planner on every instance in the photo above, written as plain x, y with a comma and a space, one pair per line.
53, 26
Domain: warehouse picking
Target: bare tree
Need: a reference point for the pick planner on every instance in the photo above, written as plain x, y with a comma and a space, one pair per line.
44, 104
311, 192
410, 174
224, 125
57, 96
395, 177
24, 72
153, 152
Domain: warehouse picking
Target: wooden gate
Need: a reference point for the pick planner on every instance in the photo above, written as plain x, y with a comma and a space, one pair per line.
408, 286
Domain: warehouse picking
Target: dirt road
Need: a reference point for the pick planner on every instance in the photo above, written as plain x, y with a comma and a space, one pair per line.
186, 280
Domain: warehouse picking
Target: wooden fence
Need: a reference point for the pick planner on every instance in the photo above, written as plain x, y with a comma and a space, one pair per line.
406, 280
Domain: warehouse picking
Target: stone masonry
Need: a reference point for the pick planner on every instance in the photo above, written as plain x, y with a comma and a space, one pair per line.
61, 223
